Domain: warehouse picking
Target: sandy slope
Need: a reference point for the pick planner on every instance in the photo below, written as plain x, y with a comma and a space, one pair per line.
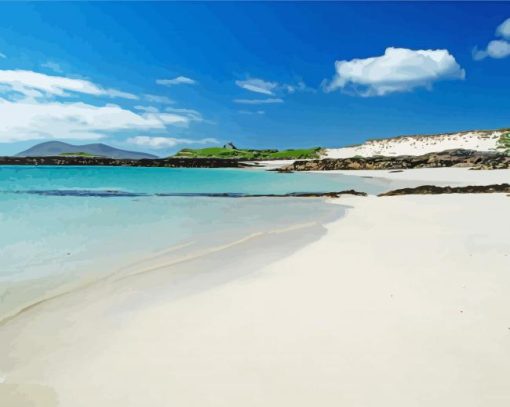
404, 302
417, 145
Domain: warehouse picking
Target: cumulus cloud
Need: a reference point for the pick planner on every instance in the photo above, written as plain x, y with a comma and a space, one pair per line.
496, 49
36, 85
165, 142
180, 80
504, 29
267, 101
258, 86
398, 70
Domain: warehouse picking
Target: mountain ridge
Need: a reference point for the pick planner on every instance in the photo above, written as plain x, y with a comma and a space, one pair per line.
56, 148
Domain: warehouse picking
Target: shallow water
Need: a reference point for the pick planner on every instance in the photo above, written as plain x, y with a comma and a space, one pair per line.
61, 227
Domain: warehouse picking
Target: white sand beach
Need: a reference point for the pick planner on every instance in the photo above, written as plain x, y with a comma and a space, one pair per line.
437, 176
403, 302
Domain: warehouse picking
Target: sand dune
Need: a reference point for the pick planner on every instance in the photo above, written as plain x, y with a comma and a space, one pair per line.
418, 145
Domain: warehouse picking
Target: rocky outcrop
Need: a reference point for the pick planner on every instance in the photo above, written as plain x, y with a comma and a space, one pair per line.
450, 158
434, 190
103, 161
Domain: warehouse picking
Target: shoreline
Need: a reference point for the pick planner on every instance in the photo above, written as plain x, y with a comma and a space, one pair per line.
438, 176
405, 296
168, 259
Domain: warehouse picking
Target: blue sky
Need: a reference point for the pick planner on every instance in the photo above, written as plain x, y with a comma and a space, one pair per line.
163, 76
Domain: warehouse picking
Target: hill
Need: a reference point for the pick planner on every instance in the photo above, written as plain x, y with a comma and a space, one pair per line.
56, 148
476, 140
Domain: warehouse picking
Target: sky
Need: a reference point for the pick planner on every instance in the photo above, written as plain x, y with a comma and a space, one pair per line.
159, 77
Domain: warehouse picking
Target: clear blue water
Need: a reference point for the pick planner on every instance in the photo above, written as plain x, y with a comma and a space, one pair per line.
48, 241
173, 180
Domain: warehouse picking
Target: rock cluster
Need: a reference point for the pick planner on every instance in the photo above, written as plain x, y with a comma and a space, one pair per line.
449, 158
434, 190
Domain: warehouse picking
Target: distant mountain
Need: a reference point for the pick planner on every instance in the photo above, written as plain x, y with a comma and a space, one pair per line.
56, 148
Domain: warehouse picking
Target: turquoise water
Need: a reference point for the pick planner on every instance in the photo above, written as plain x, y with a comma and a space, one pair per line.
173, 180
61, 226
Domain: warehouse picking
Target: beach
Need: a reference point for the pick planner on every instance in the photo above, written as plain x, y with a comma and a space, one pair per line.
401, 302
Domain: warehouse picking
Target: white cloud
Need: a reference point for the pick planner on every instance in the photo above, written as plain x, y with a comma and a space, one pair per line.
159, 99
398, 70
119, 94
258, 86
55, 67
165, 142
271, 88
251, 112
173, 115
258, 101
180, 80
191, 114
148, 109
33, 106
36, 85
29, 120
169, 118
504, 29
3, 55
496, 49
300, 86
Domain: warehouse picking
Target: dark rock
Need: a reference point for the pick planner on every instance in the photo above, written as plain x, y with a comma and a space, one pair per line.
104, 161
434, 190
449, 158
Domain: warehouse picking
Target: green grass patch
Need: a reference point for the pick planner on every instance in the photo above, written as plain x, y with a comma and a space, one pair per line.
504, 142
244, 154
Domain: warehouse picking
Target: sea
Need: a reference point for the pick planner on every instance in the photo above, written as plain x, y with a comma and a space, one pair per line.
64, 227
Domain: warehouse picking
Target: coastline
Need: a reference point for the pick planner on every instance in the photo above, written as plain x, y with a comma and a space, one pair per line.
25, 294
438, 176
401, 302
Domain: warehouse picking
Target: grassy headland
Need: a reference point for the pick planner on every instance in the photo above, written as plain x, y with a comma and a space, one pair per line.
246, 154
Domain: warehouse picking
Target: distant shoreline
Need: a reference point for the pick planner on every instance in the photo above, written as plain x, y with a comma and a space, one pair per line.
123, 162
